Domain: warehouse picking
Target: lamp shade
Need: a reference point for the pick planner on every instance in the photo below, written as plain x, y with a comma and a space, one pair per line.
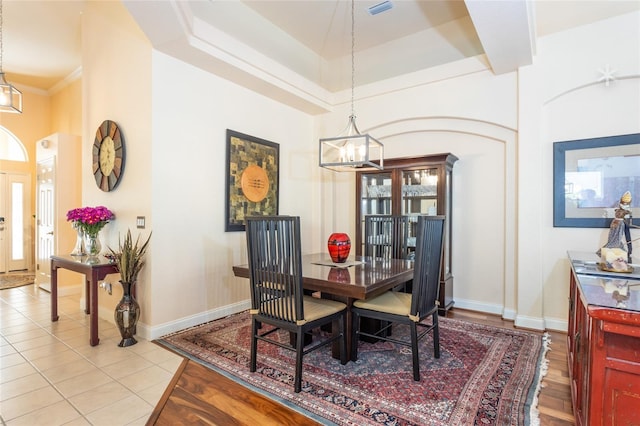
351, 152
10, 97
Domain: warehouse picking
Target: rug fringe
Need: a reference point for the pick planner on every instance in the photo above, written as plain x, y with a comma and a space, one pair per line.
534, 413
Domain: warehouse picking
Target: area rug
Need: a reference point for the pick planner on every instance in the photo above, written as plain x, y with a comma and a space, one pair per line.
12, 280
484, 376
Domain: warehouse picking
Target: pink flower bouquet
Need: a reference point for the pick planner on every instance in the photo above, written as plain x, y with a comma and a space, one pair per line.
90, 219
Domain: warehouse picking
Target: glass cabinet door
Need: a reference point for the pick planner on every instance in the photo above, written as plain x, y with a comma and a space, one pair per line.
376, 193
420, 191
375, 196
419, 197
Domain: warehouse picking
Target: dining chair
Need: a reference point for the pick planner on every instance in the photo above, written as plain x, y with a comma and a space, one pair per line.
386, 236
277, 297
412, 308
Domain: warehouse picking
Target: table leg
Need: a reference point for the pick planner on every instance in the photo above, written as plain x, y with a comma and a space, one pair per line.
87, 298
54, 293
93, 318
335, 346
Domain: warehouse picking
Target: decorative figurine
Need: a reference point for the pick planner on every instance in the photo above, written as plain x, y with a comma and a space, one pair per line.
625, 204
619, 241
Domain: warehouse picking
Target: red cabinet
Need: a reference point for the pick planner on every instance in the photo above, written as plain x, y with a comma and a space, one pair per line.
603, 343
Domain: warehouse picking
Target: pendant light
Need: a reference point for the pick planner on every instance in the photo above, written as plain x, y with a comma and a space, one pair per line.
351, 150
10, 97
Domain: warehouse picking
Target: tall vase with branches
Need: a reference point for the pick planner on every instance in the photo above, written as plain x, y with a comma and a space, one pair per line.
130, 260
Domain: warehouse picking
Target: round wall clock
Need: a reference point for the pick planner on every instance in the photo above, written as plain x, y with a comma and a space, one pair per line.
108, 156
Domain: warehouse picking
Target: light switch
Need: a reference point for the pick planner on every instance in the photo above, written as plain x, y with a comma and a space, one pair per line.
140, 222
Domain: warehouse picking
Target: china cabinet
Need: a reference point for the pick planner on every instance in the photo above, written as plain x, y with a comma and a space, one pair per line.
603, 343
410, 186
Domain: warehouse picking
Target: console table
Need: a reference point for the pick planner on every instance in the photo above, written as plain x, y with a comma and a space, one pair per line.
94, 269
603, 343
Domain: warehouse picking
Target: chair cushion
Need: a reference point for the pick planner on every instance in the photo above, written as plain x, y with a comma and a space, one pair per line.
317, 308
391, 302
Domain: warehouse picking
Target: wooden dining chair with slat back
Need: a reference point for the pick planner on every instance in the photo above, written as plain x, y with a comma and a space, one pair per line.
409, 308
277, 298
386, 236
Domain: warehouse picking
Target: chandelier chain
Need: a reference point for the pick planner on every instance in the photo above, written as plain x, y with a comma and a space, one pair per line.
353, 61
1, 38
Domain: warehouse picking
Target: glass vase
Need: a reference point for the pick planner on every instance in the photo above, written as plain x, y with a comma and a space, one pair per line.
92, 244
78, 249
339, 245
126, 315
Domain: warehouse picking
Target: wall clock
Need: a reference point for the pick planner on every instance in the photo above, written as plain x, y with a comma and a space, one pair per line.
108, 156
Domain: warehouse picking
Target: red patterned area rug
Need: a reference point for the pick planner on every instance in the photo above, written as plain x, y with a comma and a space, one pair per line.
484, 376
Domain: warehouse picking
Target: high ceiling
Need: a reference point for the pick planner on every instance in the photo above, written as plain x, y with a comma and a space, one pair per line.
310, 39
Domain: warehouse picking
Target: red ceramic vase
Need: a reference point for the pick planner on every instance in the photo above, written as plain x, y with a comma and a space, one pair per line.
339, 246
340, 275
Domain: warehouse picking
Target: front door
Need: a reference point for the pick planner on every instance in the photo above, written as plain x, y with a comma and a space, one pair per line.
15, 227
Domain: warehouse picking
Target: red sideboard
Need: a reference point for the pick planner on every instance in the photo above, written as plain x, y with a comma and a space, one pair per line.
603, 343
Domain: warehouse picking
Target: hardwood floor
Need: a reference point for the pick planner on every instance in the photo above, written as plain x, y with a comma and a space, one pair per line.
201, 396
198, 395
554, 400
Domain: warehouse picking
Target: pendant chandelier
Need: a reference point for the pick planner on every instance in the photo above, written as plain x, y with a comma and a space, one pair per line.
351, 150
10, 97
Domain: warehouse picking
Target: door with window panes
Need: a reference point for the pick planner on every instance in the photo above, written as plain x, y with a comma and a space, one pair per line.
15, 227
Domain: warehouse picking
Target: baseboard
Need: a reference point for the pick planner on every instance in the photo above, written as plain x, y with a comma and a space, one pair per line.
509, 314
532, 323
557, 324
472, 305
187, 322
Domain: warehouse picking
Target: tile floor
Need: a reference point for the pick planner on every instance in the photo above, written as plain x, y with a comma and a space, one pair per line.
50, 375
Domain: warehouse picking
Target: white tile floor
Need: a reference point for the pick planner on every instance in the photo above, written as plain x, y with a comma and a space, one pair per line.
50, 375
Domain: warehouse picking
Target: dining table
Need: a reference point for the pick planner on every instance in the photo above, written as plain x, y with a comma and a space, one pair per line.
358, 278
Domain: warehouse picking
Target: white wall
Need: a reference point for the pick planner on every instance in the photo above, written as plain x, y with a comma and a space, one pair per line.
576, 106
116, 86
193, 255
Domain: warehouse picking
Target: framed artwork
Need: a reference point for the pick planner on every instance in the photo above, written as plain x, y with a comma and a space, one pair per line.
252, 179
590, 176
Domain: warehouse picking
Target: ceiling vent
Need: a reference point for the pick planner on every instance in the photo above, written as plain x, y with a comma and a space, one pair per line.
380, 7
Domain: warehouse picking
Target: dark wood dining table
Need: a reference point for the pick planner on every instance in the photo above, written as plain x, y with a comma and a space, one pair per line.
360, 277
